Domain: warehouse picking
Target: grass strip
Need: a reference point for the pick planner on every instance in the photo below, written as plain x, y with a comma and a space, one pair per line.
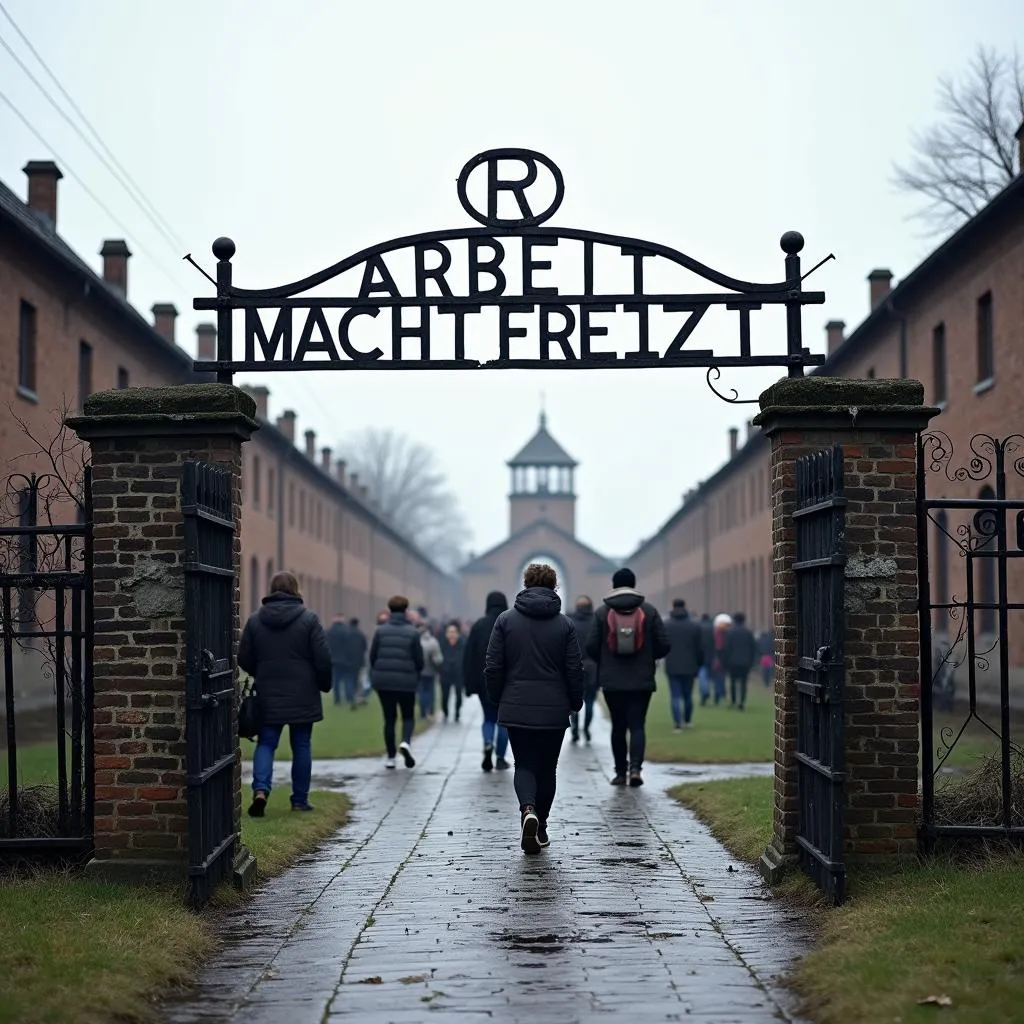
88, 952
932, 929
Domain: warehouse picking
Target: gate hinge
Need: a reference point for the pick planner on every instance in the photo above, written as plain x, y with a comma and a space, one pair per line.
821, 660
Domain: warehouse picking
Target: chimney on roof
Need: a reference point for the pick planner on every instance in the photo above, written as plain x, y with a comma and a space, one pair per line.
325, 459
260, 394
339, 471
115, 253
364, 493
353, 484
734, 440
880, 284
834, 336
164, 315
43, 176
750, 429
206, 342
286, 424
311, 443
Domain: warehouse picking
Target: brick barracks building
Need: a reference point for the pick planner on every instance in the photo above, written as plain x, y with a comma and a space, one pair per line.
67, 331
956, 323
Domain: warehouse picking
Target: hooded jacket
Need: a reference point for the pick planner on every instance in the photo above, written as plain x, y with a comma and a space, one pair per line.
396, 656
583, 619
685, 637
284, 648
627, 672
475, 652
534, 665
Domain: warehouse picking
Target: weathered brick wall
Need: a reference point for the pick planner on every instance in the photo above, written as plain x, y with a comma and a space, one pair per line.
876, 424
139, 671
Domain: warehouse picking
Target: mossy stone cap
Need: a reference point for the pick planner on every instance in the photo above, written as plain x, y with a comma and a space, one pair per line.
841, 392
179, 400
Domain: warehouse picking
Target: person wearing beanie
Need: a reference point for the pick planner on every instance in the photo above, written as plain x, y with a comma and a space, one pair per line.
473, 659
627, 639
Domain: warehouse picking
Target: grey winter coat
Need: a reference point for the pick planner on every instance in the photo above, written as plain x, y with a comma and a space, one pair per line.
284, 648
396, 656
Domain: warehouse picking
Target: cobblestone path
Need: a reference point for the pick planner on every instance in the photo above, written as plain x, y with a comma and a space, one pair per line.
423, 909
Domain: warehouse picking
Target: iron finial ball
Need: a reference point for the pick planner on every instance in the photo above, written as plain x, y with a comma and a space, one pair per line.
792, 242
224, 248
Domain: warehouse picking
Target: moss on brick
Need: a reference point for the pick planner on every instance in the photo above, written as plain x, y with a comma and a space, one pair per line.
839, 392
178, 400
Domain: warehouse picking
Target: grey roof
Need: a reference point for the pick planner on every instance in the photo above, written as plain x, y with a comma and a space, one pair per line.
36, 230
543, 450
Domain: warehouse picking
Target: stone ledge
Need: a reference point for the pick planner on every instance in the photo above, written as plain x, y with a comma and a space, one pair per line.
136, 871
842, 392
184, 409
243, 870
774, 866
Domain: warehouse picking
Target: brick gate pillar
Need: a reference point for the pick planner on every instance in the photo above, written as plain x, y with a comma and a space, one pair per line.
139, 438
877, 422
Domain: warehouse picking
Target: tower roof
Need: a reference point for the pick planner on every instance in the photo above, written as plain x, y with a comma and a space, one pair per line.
542, 450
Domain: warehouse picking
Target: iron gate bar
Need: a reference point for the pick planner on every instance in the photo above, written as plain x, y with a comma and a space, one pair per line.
207, 507
819, 519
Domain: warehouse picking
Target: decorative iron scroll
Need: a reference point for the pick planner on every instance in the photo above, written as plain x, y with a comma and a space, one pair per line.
452, 279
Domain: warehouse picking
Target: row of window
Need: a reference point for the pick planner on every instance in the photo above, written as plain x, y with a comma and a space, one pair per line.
985, 352
28, 357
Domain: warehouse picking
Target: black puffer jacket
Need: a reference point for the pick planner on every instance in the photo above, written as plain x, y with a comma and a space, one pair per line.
284, 648
451, 667
583, 621
475, 654
396, 656
618, 672
348, 646
740, 648
534, 665
687, 653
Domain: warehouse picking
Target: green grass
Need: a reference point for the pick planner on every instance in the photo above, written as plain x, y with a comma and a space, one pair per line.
343, 732
37, 764
719, 735
74, 950
929, 929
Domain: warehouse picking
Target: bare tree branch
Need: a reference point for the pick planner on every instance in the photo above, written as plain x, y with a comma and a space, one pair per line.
962, 162
409, 487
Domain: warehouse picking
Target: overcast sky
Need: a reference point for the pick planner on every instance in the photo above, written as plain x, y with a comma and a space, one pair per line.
307, 131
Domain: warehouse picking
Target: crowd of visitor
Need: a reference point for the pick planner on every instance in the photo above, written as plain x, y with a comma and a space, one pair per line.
536, 671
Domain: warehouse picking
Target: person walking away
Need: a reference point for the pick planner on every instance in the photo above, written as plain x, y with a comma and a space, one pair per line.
474, 658
284, 648
453, 650
683, 662
740, 656
707, 645
583, 618
432, 662
396, 661
766, 649
348, 652
627, 639
534, 672
335, 641
722, 624
360, 644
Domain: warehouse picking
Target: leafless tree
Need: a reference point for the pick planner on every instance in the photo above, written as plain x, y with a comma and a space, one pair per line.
404, 479
962, 161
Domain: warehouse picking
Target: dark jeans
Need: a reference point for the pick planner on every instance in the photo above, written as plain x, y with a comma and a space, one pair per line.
681, 697
391, 701
738, 685
628, 710
446, 693
495, 735
427, 694
302, 759
344, 680
536, 755
589, 697
718, 683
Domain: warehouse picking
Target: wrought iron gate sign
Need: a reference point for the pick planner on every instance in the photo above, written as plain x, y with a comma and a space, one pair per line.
439, 287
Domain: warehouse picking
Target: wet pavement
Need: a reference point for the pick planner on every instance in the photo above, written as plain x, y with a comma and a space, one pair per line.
423, 909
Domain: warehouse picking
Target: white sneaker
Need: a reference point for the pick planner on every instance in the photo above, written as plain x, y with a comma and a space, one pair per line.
389, 762
406, 751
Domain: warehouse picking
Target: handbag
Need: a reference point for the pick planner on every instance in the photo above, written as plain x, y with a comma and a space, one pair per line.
249, 712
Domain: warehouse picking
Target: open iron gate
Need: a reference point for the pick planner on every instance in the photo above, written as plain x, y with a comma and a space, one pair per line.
210, 679
820, 519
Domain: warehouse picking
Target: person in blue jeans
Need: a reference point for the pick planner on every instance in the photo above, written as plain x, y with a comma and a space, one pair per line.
284, 648
683, 661
474, 658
